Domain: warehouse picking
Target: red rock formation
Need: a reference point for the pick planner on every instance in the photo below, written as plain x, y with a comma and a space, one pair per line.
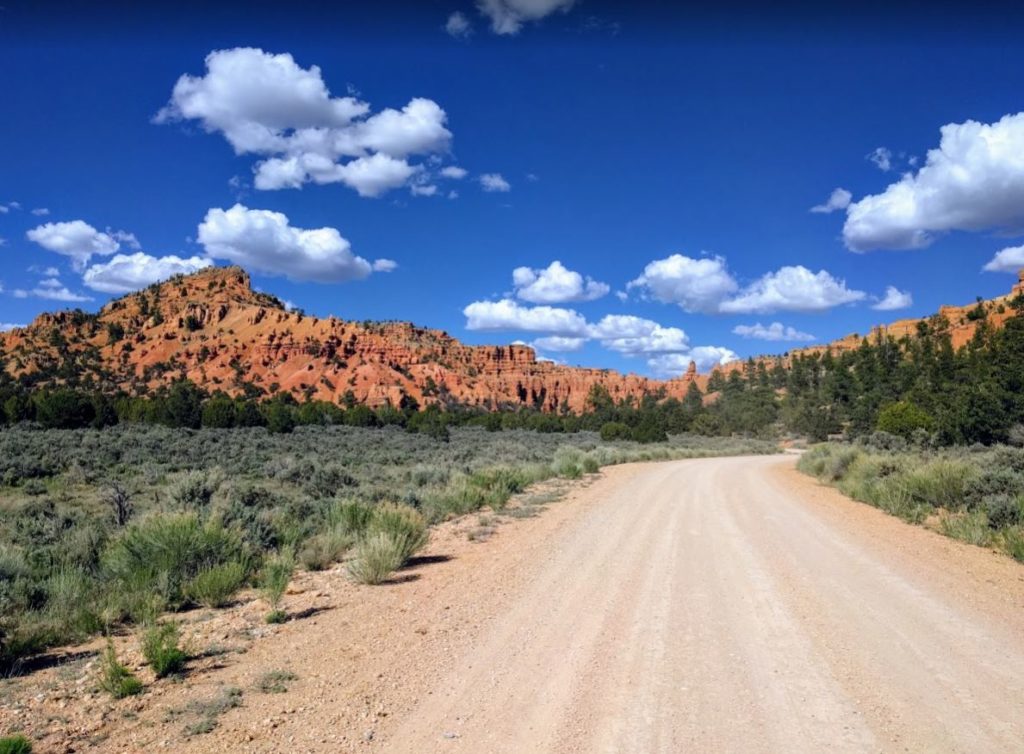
213, 329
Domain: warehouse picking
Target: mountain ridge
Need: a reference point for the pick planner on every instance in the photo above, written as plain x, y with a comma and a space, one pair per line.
211, 327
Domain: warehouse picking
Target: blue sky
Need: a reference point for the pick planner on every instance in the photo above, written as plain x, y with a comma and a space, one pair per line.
669, 163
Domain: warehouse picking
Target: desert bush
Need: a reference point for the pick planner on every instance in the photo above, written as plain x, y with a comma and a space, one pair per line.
941, 483
17, 744
967, 527
160, 555
160, 647
216, 585
326, 548
277, 573
377, 556
1013, 542
275, 681
349, 517
115, 678
403, 524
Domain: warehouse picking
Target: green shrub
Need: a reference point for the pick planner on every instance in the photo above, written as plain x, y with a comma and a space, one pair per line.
840, 463
1013, 542
326, 548
612, 431
15, 745
941, 483
277, 573
904, 418
967, 527
163, 553
216, 585
275, 681
349, 517
115, 678
376, 557
161, 650
403, 524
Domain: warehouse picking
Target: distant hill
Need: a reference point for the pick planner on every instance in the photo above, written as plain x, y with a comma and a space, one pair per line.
212, 328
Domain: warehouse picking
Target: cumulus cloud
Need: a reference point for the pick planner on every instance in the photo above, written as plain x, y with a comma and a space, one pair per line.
1010, 259
894, 299
268, 105
492, 182
384, 265
696, 285
264, 241
76, 239
506, 314
558, 344
509, 16
40, 211
882, 158
458, 25
631, 335
837, 200
973, 181
454, 172
54, 290
706, 285
676, 364
555, 285
776, 331
793, 288
131, 272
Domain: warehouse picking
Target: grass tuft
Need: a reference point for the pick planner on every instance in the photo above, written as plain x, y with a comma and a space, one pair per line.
115, 678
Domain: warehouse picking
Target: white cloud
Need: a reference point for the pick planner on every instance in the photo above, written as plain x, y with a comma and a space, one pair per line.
675, 364
40, 211
384, 265
494, 182
1010, 259
973, 181
131, 272
265, 241
508, 16
76, 239
428, 189
458, 25
706, 285
793, 288
837, 200
631, 335
882, 158
894, 299
555, 285
5, 208
776, 331
558, 344
509, 315
8, 326
268, 105
123, 236
54, 290
454, 172
696, 285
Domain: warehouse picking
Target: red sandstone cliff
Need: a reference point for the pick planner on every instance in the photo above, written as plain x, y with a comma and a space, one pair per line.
213, 329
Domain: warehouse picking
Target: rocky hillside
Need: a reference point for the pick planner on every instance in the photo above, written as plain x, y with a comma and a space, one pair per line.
960, 321
213, 329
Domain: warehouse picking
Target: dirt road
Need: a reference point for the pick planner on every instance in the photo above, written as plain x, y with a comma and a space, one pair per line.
710, 606
719, 605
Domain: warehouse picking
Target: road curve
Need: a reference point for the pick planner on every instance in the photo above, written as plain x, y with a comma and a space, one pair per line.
730, 605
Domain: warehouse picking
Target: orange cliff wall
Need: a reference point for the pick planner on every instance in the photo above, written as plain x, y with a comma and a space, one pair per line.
213, 329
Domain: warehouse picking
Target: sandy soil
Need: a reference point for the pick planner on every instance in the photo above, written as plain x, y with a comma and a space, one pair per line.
706, 605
